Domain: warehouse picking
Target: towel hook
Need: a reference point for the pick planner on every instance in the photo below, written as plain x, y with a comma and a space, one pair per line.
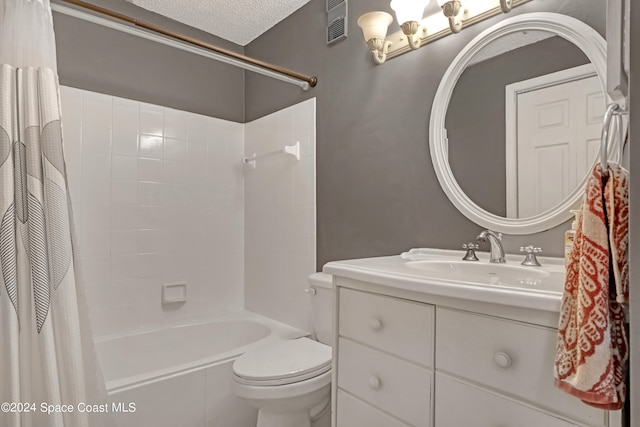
604, 140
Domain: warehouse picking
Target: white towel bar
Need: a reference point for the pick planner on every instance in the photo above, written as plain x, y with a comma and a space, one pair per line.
293, 150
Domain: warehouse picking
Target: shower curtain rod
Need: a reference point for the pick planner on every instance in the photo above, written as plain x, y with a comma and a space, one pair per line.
214, 52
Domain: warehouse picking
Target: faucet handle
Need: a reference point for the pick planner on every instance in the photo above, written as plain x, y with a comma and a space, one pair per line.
531, 251
471, 254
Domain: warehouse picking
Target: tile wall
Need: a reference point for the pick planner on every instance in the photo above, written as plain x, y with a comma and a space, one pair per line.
158, 197
280, 215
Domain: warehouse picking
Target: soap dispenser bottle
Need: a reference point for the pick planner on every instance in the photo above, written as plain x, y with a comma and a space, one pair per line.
569, 236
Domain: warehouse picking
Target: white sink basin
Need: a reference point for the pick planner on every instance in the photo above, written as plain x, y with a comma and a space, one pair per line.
442, 273
484, 272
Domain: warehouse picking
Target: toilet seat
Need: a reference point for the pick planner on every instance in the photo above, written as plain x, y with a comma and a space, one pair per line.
284, 362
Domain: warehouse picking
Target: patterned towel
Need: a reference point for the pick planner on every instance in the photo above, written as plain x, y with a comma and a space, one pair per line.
617, 204
592, 350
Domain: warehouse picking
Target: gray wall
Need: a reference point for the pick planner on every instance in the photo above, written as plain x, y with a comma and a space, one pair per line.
103, 60
476, 131
377, 192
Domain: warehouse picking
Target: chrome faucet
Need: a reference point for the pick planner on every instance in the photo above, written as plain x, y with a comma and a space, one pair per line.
495, 239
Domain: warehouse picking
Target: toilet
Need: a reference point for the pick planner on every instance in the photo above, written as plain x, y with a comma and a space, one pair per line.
289, 382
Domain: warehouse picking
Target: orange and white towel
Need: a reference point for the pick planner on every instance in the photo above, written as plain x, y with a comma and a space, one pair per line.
592, 350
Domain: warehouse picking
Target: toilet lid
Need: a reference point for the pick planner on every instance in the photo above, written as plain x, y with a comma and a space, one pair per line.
285, 359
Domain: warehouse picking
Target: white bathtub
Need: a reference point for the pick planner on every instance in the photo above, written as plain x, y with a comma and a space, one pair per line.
181, 375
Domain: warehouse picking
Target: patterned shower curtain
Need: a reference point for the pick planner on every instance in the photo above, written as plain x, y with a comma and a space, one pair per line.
48, 369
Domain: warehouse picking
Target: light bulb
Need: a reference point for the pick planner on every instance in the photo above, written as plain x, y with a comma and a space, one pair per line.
408, 10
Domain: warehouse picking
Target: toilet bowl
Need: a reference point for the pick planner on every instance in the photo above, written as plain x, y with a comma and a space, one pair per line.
289, 382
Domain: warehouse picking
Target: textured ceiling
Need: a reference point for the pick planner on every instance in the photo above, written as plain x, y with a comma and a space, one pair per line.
239, 21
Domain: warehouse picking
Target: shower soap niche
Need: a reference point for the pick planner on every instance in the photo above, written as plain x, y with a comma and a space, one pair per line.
173, 293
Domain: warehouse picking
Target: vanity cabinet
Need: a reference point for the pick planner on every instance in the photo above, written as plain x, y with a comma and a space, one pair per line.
461, 404
503, 370
410, 359
384, 361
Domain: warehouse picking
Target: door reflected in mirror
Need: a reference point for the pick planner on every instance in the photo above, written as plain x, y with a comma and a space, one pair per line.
523, 124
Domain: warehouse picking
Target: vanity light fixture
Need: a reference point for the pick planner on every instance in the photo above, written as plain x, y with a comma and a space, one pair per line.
451, 9
418, 30
409, 15
374, 27
506, 5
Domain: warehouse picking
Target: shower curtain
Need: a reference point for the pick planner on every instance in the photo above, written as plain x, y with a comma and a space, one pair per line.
48, 371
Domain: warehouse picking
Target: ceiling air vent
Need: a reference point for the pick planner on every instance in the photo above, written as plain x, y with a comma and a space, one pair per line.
336, 20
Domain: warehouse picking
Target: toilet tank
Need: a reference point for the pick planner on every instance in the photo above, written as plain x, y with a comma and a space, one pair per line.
321, 291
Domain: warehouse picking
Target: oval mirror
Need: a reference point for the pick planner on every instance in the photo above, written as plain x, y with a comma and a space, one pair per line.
516, 121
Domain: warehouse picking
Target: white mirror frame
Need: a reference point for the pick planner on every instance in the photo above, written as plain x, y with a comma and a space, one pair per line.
571, 29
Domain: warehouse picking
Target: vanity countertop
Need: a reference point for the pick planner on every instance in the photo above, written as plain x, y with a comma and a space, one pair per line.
538, 288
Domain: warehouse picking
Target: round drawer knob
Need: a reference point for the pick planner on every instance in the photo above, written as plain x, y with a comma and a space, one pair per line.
375, 324
374, 382
502, 359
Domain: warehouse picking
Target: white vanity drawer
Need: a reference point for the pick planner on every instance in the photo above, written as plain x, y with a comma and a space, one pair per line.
353, 412
397, 326
395, 386
460, 405
510, 356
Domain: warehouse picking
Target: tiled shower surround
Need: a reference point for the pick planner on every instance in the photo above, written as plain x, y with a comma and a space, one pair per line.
280, 215
159, 197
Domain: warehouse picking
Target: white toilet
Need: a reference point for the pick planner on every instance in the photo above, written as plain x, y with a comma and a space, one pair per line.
289, 382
